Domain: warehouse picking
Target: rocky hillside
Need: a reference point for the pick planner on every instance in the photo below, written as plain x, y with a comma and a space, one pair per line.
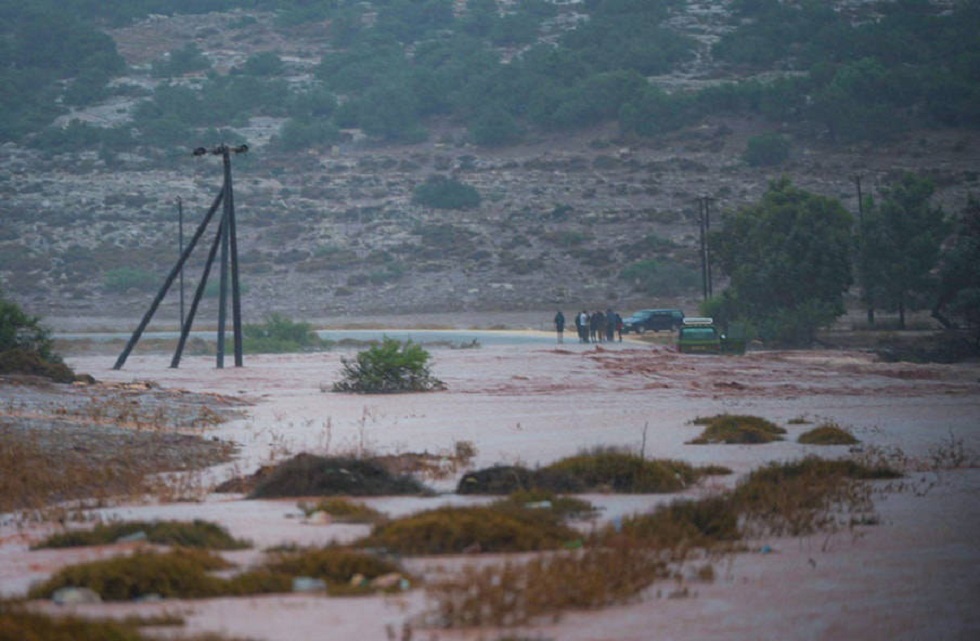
333, 234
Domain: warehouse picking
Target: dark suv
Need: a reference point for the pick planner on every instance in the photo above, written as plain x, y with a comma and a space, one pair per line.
653, 320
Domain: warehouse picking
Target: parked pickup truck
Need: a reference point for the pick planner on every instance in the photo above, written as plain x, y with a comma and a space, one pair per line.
699, 335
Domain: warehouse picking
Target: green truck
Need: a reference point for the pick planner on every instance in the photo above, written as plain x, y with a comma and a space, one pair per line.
699, 335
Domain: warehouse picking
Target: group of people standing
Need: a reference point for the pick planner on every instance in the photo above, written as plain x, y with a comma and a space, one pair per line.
596, 327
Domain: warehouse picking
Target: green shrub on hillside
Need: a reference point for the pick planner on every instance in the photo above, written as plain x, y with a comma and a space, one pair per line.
440, 192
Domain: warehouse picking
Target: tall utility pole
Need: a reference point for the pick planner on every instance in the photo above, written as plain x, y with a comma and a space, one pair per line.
704, 226
225, 239
180, 245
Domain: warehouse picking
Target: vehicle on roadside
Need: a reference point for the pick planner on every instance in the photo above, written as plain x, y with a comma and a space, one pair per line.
699, 335
653, 320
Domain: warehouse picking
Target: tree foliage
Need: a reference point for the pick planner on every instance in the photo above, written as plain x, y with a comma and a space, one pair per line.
901, 238
959, 274
789, 260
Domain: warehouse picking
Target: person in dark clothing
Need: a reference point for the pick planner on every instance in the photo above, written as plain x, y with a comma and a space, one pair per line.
597, 326
560, 326
610, 328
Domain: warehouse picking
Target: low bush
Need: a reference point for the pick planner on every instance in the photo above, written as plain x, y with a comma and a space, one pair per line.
620, 471
387, 368
828, 434
280, 335
440, 192
736, 428
337, 567
608, 470
506, 479
181, 573
311, 475
453, 530
685, 524
196, 534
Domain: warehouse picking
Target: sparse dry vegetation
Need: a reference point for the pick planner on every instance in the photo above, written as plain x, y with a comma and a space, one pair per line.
17, 623
62, 443
520, 592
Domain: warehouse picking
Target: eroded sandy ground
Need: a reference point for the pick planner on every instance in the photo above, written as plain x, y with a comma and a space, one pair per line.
916, 575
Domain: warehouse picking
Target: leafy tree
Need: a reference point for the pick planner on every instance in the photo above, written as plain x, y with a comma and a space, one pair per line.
788, 258
959, 274
901, 240
387, 368
440, 192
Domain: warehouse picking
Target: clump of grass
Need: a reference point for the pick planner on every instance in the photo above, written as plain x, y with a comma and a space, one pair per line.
806, 496
195, 534
737, 428
453, 530
621, 471
180, 573
338, 567
685, 524
828, 434
311, 475
518, 593
599, 470
343, 510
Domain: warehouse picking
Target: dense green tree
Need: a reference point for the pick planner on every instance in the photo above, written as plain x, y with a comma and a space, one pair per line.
788, 258
959, 274
901, 239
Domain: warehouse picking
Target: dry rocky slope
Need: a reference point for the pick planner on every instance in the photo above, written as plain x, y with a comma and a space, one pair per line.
331, 235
